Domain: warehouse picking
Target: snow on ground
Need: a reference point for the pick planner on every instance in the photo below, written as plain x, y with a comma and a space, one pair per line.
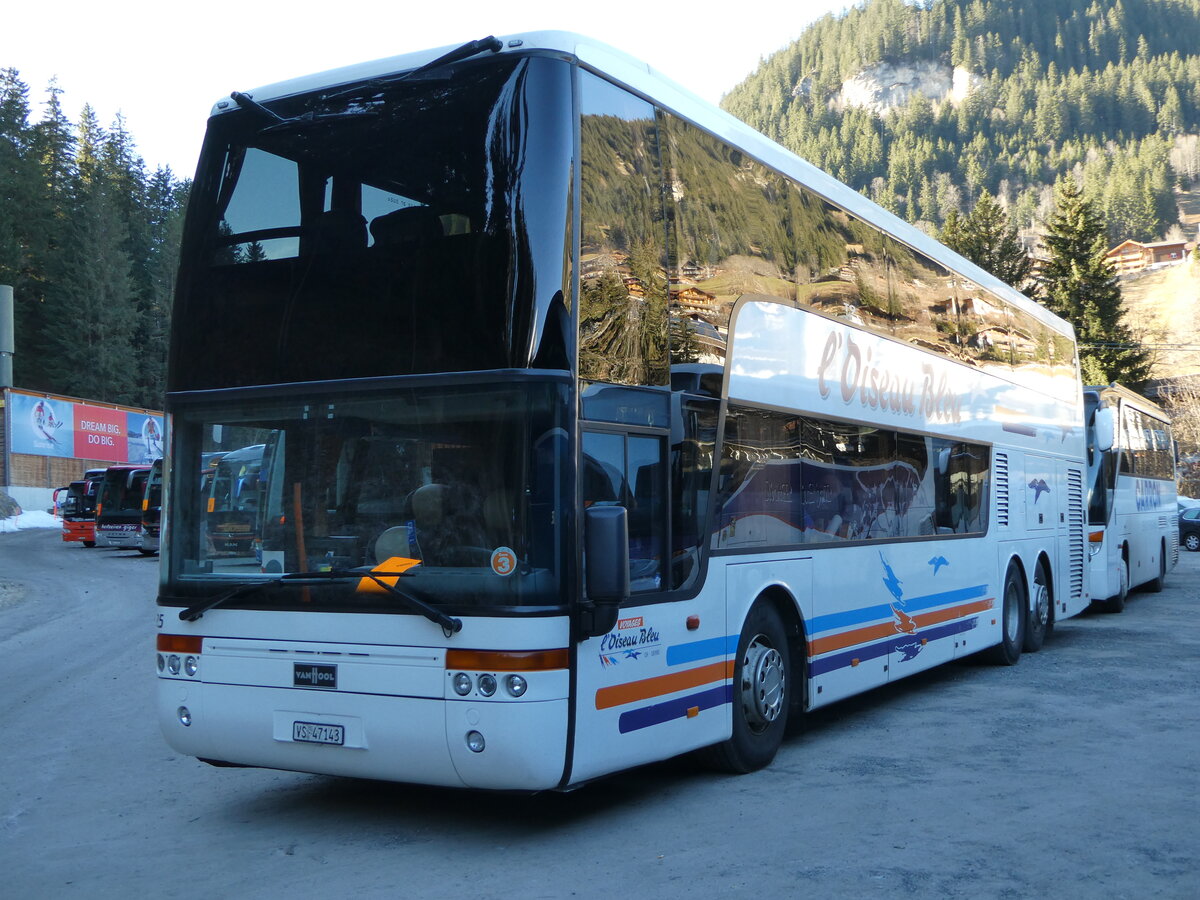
31, 519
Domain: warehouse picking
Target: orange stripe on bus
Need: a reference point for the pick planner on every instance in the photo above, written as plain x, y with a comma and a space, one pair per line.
620, 694
954, 612
850, 638
887, 629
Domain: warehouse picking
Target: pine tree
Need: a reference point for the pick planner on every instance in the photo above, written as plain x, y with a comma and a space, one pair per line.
22, 215
1080, 286
91, 306
987, 238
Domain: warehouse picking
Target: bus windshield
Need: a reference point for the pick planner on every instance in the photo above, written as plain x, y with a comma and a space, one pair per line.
121, 491
461, 484
381, 229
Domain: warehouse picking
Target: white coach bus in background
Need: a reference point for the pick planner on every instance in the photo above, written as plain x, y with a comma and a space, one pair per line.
1133, 535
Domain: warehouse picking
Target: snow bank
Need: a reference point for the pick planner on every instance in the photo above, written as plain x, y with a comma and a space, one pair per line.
31, 519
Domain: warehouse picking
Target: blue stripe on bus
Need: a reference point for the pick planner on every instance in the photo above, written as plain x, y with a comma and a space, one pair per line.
883, 648
680, 654
637, 719
838, 621
694, 651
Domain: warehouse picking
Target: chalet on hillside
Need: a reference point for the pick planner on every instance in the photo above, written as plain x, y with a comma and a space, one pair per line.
1133, 256
692, 301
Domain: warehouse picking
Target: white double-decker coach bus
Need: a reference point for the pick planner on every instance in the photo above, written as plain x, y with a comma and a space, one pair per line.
1133, 533
597, 428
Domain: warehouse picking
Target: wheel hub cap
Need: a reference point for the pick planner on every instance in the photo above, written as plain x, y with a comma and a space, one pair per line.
762, 684
1042, 604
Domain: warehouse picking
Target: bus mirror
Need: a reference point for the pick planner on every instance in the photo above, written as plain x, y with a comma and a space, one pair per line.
606, 541
943, 461
1103, 428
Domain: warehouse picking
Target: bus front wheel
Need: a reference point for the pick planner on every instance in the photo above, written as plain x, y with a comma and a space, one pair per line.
1156, 586
761, 687
1116, 603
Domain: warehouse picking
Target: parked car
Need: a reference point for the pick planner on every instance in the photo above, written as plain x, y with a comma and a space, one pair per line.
1189, 527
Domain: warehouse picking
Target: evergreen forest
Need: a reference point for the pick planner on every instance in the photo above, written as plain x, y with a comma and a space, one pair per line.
89, 242
1106, 91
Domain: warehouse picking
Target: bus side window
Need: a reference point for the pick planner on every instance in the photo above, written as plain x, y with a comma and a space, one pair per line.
629, 471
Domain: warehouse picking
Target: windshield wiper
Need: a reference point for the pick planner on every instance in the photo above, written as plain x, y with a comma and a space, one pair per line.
466, 51
192, 613
248, 103
449, 624
458, 54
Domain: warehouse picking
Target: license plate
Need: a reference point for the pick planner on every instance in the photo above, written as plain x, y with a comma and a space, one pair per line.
315, 733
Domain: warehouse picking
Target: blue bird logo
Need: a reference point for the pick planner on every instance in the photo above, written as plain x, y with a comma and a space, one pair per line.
937, 562
891, 581
1039, 487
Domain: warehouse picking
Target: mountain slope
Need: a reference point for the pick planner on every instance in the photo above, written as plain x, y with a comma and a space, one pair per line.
924, 106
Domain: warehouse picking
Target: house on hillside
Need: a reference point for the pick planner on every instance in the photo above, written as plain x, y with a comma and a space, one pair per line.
1133, 256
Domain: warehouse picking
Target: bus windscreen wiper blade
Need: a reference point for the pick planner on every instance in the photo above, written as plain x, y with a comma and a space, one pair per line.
449, 624
192, 613
458, 54
466, 51
248, 103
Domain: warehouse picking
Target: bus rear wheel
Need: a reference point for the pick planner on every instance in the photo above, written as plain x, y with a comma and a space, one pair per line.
1040, 622
761, 694
1012, 619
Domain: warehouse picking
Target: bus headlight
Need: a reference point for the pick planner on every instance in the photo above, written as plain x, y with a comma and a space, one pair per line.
173, 664
185, 716
190, 665
487, 685
462, 684
475, 742
516, 685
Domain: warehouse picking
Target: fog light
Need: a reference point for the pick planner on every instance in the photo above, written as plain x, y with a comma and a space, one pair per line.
462, 684
190, 665
162, 662
185, 716
173, 664
487, 685
516, 685
475, 742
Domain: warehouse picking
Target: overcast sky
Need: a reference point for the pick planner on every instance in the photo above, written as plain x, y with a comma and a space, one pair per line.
163, 64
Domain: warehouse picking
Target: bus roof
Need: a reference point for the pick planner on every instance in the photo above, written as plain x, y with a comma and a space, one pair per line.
1133, 398
639, 77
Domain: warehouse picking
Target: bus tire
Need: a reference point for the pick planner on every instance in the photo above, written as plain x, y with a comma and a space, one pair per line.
1116, 603
1013, 605
1040, 621
1155, 586
89, 543
761, 688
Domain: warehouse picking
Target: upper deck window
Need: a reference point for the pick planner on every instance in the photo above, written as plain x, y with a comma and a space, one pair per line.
390, 227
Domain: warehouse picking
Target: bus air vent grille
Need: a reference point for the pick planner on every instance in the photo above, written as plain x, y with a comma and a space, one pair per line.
1077, 552
1002, 500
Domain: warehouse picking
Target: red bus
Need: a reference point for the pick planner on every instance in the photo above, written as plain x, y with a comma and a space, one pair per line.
79, 508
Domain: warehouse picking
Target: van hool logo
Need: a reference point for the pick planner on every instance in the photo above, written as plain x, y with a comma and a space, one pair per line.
307, 675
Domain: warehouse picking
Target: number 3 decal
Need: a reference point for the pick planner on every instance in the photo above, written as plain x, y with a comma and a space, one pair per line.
504, 561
